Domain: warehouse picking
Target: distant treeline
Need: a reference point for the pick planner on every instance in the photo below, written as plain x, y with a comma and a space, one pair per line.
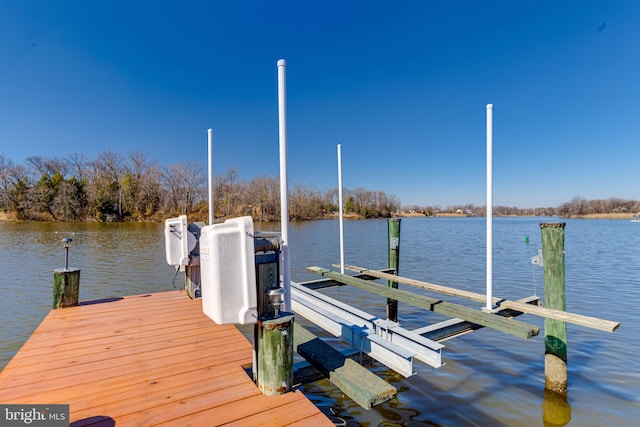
577, 207
113, 187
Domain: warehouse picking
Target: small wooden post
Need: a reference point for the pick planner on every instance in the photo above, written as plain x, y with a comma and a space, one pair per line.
275, 354
66, 287
66, 282
394, 262
555, 331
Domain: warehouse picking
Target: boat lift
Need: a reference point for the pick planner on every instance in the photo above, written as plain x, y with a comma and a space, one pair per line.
384, 340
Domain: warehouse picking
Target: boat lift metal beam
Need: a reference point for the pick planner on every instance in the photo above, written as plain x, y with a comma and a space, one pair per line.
383, 340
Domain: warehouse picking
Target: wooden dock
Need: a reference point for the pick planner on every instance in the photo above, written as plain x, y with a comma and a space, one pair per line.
144, 360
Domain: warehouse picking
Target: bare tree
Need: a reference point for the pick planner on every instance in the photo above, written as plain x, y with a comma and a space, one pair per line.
47, 166
140, 185
305, 202
227, 192
263, 196
184, 181
78, 166
108, 171
49, 177
14, 184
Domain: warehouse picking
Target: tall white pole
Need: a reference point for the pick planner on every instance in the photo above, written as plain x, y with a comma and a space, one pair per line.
489, 302
340, 209
210, 175
284, 188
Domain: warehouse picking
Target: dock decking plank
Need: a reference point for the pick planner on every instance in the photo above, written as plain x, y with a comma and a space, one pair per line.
234, 412
198, 381
97, 379
112, 367
167, 403
145, 360
281, 415
188, 407
91, 356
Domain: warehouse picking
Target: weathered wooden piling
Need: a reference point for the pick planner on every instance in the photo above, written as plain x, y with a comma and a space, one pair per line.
275, 361
555, 331
394, 262
66, 287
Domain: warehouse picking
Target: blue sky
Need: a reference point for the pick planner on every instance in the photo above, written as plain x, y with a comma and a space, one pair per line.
401, 85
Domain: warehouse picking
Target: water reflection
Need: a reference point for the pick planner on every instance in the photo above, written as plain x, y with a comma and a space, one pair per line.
556, 411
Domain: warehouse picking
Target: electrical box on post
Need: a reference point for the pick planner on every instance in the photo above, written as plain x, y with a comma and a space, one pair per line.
178, 241
228, 276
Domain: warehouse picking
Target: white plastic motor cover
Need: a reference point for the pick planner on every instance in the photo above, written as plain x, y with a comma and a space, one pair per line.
178, 241
228, 277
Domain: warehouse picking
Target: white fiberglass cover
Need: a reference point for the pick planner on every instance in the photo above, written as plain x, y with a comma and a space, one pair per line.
228, 277
178, 241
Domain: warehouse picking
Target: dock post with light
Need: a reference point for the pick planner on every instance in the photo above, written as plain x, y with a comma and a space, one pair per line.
66, 282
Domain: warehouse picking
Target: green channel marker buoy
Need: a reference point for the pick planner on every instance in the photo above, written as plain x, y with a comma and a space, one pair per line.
526, 239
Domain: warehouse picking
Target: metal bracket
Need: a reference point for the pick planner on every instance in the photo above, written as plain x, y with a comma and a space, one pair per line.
537, 260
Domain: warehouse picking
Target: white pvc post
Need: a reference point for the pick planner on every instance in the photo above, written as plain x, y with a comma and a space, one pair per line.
340, 208
210, 175
284, 189
489, 302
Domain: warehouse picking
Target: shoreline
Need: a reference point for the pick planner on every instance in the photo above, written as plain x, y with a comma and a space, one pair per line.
614, 215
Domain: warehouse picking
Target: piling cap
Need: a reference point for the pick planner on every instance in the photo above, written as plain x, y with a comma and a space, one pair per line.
552, 224
281, 62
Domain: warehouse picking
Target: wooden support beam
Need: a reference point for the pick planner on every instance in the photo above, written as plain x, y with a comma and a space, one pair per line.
576, 319
453, 328
361, 385
513, 327
419, 284
550, 313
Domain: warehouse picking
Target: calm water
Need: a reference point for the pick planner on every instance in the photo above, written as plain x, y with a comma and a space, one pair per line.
490, 379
